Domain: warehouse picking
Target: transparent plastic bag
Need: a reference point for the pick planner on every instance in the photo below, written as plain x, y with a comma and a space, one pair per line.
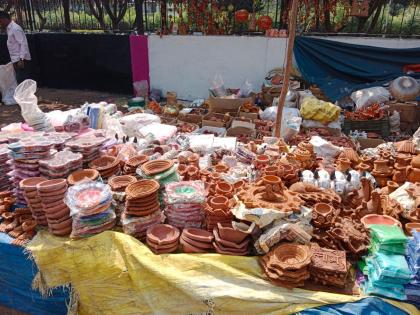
141, 88
185, 192
245, 90
387, 234
369, 96
28, 102
394, 122
391, 268
218, 86
7, 84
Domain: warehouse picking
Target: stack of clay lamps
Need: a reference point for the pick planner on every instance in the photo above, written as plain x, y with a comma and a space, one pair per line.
20, 225
6, 201
217, 210
33, 200
118, 184
81, 176
287, 265
162, 239
133, 163
229, 241
328, 267
5, 168
106, 165
51, 193
142, 203
196, 240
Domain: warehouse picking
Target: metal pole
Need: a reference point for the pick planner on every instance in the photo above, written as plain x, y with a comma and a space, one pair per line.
288, 68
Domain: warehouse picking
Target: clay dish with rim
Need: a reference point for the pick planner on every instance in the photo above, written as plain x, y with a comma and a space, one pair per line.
229, 252
82, 175
154, 167
142, 188
161, 247
409, 227
228, 233
52, 185
201, 245
228, 244
163, 234
53, 193
379, 219
221, 168
188, 248
30, 184
198, 235
219, 202
137, 160
104, 163
271, 180
292, 256
29, 225
119, 183
224, 189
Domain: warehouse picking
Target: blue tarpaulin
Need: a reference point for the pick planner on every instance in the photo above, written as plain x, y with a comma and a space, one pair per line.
16, 275
340, 68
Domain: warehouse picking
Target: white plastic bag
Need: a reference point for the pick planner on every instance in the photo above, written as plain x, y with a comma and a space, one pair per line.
7, 84
369, 96
218, 86
316, 124
132, 123
394, 122
245, 89
160, 132
28, 102
323, 148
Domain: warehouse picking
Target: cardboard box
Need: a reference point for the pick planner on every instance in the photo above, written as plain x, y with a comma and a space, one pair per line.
408, 111
237, 131
226, 105
221, 124
369, 143
248, 115
245, 124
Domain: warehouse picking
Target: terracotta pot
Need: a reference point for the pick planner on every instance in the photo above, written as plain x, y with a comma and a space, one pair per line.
413, 174
343, 164
238, 185
142, 189
155, 167
82, 175
119, 183
51, 185
367, 159
227, 233
381, 180
163, 234
167, 247
271, 180
262, 160
302, 155
322, 214
381, 166
399, 175
197, 244
271, 170
412, 226
30, 184
379, 219
219, 202
362, 167
221, 168
104, 163
188, 248
402, 160
392, 186
193, 159
137, 160
198, 235
224, 189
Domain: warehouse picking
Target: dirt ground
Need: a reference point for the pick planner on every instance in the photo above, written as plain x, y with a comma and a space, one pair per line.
52, 99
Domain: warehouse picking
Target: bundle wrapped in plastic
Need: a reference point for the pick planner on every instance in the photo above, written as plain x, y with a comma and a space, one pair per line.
388, 239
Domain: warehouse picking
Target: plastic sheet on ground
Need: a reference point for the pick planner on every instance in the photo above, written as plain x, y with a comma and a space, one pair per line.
114, 273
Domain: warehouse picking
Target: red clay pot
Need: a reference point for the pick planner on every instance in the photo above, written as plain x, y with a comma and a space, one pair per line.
162, 234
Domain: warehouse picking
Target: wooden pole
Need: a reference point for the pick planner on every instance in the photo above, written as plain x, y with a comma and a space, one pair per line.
288, 68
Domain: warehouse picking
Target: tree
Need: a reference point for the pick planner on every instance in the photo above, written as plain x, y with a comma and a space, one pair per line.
97, 11
116, 10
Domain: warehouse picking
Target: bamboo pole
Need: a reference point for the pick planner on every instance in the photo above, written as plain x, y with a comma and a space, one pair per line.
288, 67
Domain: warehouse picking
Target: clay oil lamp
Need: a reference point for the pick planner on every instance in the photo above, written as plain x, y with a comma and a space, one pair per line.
379, 219
193, 159
362, 167
119, 183
219, 202
415, 162
221, 168
322, 215
163, 238
271, 170
413, 174
192, 173
343, 164
239, 185
227, 232
195, 240
182, 170
155, 167
52, 187
402, 160
261, 161
80, 176
30, 184
224, 189
391, 186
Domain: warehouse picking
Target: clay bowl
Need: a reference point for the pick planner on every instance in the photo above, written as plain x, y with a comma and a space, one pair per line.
197, 244
225, 251
379, 219
198, 235
188, 248
228, 233
104, 163
271, 180
82, 175
151, 168
119, 183
29, 225
162, 234
238, 185
224, 189
61, 232
137, 160
142, 189
53, 193
30, 184
292, 256
158, 247
219, 202
410, 227
51, 185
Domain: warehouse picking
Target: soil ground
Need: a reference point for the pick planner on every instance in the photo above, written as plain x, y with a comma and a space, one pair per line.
52, 99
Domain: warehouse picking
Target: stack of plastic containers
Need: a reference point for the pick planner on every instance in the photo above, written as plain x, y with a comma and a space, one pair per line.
90, 206
412, 290
387, 267
184, 204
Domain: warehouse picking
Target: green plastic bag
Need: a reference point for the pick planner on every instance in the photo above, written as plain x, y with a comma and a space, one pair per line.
390, 268
391, 249
396, 292
387, 234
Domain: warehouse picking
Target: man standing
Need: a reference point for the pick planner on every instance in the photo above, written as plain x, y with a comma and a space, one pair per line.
17, 45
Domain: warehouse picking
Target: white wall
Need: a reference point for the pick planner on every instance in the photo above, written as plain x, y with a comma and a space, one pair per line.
188, 64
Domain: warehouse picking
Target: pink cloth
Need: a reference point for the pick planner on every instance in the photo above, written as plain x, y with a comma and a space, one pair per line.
139, 58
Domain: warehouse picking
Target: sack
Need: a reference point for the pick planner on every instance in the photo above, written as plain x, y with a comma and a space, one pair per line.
7, 84
369, 96
315, 109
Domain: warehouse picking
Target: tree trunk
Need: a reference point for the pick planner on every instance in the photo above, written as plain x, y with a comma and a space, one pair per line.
116, 11
98, 12
66, 10
327, 20
139, 23
372, 7
163, 16
375, 18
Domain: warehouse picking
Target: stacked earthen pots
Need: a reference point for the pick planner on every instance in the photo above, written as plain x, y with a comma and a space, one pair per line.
328, 267
33, 200
287, 265
106, 165
382, 172
118, 184
132, 163
229, 241
217, 210
19, 224
163, 238
142, 207
196, 240
51, 193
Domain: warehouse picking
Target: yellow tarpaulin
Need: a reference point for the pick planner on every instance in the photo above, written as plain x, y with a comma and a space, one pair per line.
113, 273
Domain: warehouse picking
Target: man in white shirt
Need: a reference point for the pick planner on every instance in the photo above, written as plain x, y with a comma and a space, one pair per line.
17, 44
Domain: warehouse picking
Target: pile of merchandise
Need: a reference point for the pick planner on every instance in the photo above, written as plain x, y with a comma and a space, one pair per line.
412, 289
